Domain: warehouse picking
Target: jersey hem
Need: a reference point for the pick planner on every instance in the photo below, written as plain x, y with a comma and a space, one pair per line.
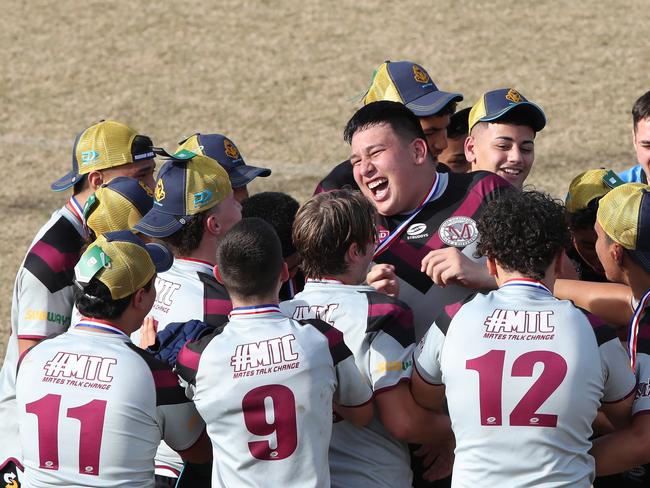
632, 391
388, 388
415, 366
162, 470
357, 406
32, 337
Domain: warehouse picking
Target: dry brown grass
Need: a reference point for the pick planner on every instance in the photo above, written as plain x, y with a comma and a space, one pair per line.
277, 77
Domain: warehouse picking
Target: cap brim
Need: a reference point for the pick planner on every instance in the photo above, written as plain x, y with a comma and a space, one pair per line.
65, 182
536, 114
161, 256
157, 224
243, 175
432, 103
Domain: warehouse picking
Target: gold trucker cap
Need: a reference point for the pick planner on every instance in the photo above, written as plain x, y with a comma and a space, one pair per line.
117, 205
122, 262
106, 144
624, 215
588, 186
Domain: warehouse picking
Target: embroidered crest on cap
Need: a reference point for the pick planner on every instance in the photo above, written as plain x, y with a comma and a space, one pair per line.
160, 190
458, 231
420, 75
513, 95
231, 150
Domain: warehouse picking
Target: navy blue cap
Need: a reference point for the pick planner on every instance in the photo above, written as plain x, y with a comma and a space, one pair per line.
184, 188
495, 104
224, 151
410, 84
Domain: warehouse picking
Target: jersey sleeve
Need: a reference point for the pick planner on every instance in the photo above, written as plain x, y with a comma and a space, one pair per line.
40, 311
351, 389
641, 403
391, 348
427, 356
178, 420
187, 361
620, 381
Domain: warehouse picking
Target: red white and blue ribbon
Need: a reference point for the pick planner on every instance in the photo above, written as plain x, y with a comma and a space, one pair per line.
255, 310
526, 282
76, 209
633, 331
103, 326
397, 232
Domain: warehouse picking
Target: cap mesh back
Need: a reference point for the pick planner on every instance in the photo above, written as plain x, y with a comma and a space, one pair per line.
382, 87
113, 212
104, 145
584, 188
618, 213
207, 184
131, 267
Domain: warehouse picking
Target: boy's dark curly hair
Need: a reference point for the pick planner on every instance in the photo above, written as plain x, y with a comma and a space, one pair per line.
523, 232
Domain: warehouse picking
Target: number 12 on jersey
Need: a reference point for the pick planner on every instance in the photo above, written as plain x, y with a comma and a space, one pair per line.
490, 368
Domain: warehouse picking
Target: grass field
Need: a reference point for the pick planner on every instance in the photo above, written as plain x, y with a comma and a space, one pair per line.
279, 76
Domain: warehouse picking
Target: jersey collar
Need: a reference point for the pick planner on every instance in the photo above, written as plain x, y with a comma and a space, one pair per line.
268, 310
101, 326
197, 264
525, 283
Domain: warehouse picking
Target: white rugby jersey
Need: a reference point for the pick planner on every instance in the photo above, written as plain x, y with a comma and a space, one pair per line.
92, 408
187, 291
264, 384
525, 374
378, 329
41, 305
447, 219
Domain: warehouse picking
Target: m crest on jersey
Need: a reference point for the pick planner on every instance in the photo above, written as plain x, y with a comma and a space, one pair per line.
458, 231
417, 231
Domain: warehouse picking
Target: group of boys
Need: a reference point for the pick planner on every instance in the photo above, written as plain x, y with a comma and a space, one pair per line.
416, 308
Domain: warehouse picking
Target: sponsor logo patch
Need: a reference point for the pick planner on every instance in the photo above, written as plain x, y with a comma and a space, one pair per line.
88, 157
458, 231
202, 198
416, 231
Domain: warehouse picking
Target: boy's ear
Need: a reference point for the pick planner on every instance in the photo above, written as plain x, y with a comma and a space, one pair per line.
216, 274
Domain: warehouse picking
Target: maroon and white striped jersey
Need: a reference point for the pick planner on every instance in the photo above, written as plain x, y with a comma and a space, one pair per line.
93, 407
525, 374
378, 329
41, 305
264, 385
187, 291
447, 219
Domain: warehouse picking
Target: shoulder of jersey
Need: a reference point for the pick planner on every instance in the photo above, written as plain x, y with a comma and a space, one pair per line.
390, 315
53, 257
216, 301
338, 350
484, 182
189, 356
443, 320
168, 391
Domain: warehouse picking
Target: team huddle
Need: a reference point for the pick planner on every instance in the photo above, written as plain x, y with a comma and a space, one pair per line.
424, 319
